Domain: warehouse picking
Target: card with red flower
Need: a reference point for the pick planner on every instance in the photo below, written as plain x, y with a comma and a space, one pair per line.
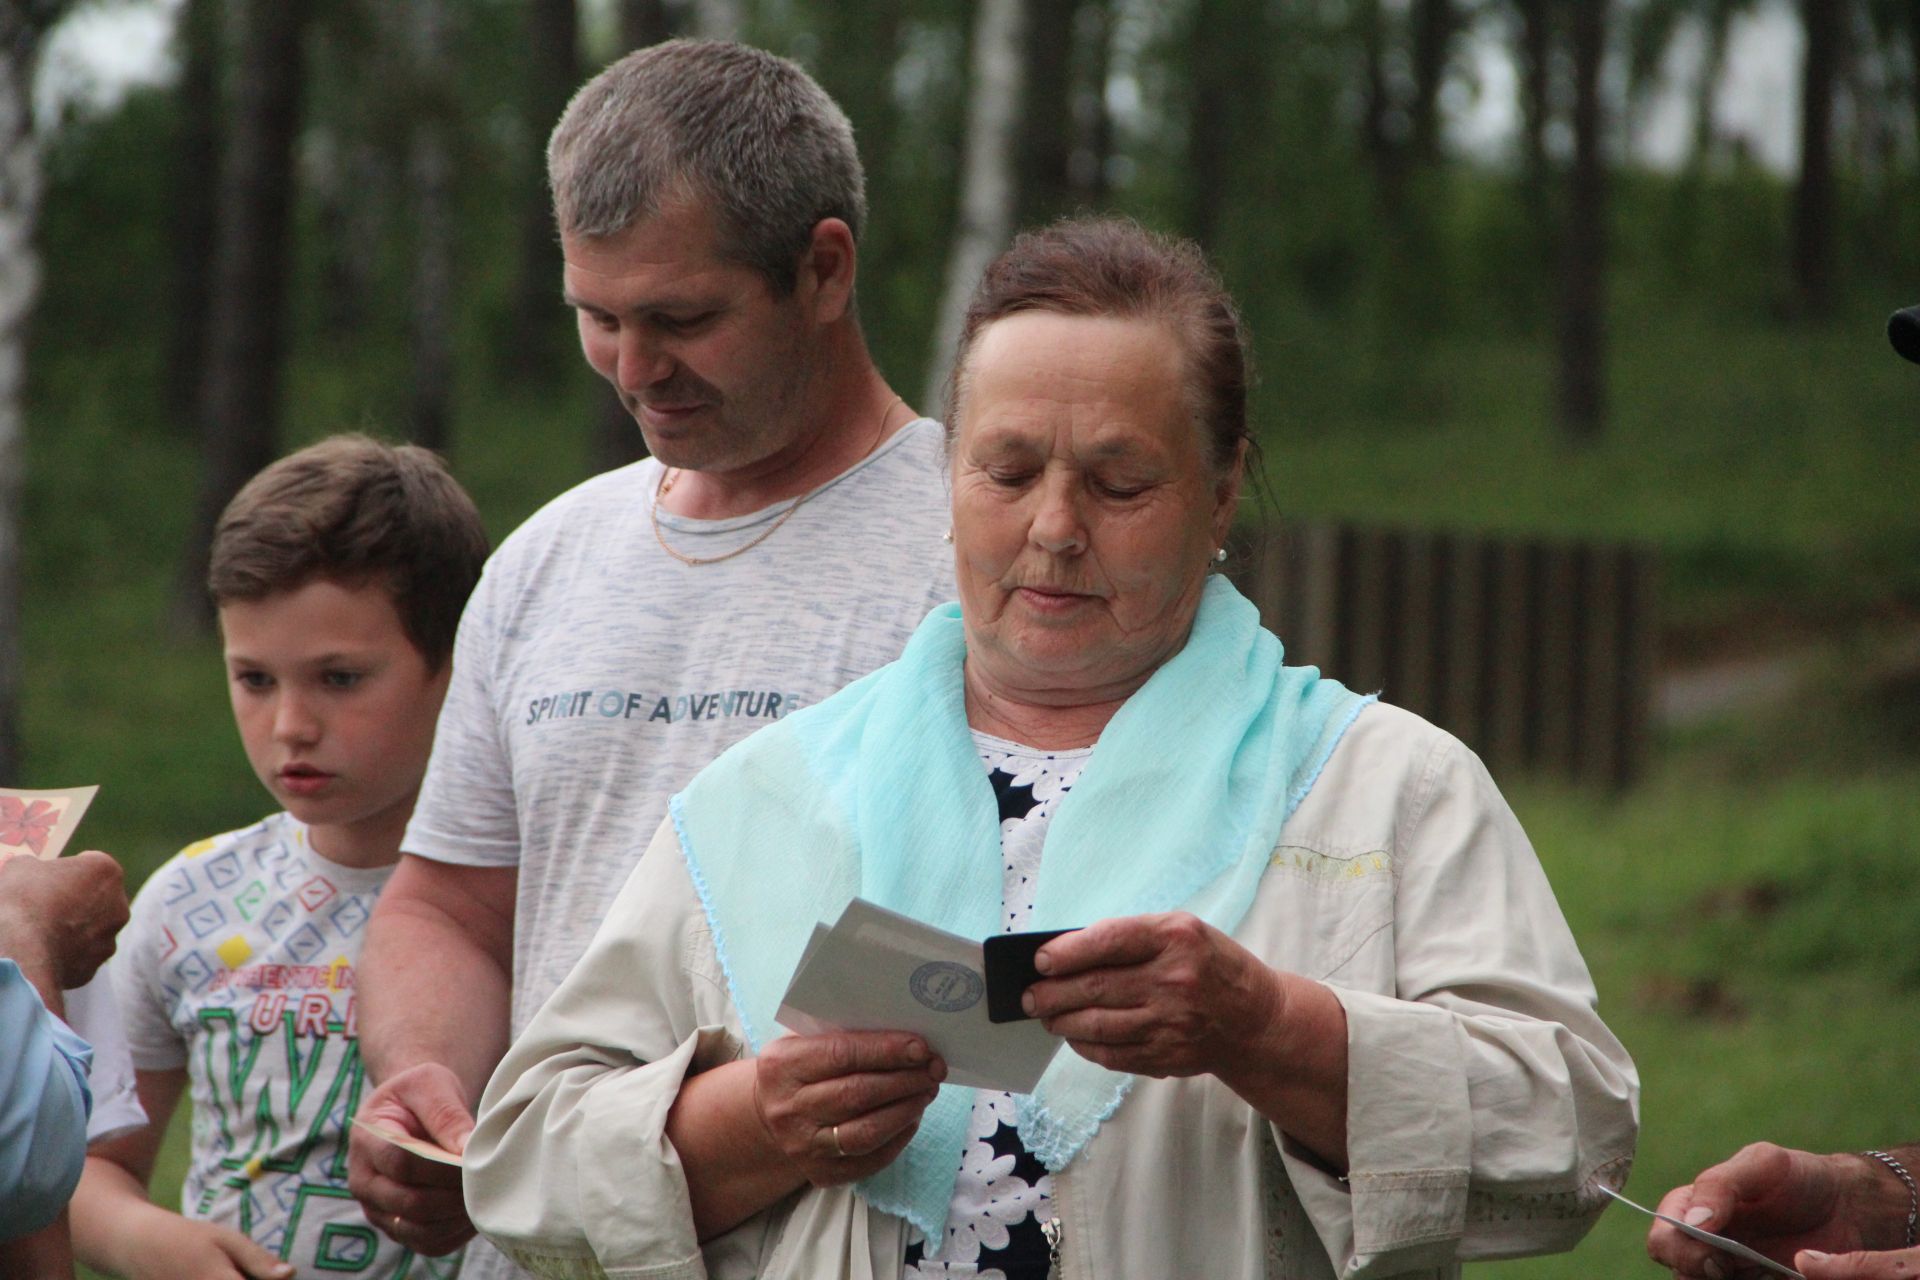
40, 822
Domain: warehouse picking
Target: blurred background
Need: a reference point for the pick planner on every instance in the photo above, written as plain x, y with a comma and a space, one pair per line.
1581, 431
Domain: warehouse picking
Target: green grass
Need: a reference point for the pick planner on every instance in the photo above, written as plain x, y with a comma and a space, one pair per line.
1750, 944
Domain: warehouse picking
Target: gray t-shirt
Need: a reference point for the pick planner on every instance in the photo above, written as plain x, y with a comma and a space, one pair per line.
594, 674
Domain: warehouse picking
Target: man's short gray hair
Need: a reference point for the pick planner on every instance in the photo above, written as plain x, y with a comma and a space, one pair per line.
747, 133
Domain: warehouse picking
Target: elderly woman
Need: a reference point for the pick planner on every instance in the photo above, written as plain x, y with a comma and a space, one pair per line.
1324, 1017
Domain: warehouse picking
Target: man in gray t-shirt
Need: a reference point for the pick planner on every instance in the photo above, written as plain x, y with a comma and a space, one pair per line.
783, 540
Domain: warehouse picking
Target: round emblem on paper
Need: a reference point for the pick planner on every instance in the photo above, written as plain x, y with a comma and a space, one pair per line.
946, 987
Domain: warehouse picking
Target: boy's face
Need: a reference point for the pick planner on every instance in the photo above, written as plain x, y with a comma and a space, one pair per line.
336, 709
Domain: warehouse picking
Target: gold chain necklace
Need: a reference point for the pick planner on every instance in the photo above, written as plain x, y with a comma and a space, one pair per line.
671, 474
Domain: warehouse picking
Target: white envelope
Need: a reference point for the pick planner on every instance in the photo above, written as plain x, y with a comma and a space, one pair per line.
877, 970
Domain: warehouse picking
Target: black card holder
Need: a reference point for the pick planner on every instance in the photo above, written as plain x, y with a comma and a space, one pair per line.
1010, 971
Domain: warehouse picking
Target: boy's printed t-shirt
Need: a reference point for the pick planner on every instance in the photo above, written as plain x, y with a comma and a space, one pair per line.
94, 1012
238, 965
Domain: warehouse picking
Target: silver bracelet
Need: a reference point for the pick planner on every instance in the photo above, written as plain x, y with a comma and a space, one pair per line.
1913, 1193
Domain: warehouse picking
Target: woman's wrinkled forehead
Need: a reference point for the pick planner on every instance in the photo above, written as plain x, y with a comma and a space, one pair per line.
1009, 339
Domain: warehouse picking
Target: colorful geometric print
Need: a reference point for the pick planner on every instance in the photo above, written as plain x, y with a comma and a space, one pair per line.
256, 938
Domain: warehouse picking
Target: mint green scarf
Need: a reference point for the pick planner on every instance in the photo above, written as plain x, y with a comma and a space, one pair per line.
878, 792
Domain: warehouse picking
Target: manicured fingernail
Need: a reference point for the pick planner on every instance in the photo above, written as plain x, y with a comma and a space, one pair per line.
1711, 1268
1813, 1255
1026, 1002
917, 1051
1698, 1214
1042, 961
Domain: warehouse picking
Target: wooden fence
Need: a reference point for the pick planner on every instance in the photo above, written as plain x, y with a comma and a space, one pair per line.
1538, 655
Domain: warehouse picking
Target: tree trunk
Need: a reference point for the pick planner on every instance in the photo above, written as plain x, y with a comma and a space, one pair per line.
986, 177
719, 19
1583, 331
1434, 25
1813, 195
644, 23
1046, 134
1536, 89
1093, 123
430, 173
240, 398
194, 211
1913, 61
533, 347
21, 27
1209, 125
1379, 119
1706, 91
616, 439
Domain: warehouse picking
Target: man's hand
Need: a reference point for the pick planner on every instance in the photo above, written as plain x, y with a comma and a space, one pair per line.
418, 1202
58, 919
1780, 1202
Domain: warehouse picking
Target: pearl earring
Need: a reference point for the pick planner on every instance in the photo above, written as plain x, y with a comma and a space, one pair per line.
947, 536
1220, 556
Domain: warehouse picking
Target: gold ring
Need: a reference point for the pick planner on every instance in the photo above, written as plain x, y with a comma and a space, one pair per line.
838, 1150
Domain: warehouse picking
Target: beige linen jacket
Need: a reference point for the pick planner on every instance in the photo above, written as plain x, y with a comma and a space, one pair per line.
1487, 1102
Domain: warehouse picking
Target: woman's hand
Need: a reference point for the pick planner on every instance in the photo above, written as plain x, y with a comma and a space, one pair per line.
1165, 995
1170, 995
820, 1109
842, 1106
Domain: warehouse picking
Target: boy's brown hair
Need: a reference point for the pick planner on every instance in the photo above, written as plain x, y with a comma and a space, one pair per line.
355, 510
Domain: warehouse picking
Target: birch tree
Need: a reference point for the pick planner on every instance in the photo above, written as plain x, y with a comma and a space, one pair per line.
719, 19
616, 437
22, 25
987, 191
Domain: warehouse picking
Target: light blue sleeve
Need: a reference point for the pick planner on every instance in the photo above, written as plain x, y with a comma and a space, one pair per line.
44, 1103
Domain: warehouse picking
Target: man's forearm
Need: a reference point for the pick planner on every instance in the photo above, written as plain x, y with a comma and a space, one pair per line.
435, 977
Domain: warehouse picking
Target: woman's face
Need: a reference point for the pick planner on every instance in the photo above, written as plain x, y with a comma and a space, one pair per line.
1085, 511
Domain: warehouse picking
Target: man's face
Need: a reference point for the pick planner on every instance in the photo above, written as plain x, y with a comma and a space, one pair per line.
713, 366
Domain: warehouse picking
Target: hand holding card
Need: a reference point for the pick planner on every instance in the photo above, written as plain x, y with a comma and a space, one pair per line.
40, 822
1010, 971
407, 1142
877, 970
1733, 1247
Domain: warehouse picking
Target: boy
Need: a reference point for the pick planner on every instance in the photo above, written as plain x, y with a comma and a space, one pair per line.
339, 573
